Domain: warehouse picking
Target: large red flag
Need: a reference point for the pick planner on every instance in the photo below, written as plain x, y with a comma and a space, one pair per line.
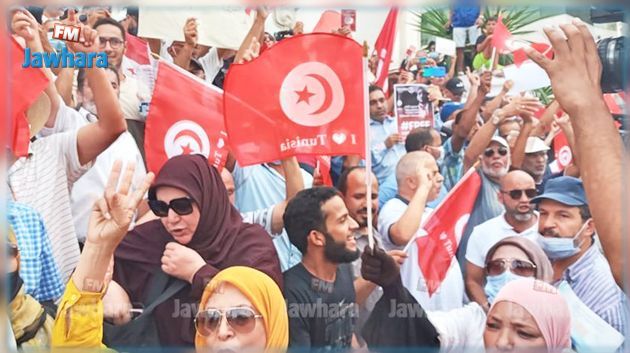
304, 95
445, 228
26, 85
185, 117
138, 61
500, 35
384, 46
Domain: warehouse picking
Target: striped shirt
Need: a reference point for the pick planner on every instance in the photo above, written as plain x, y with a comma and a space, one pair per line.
43, 181
591, 279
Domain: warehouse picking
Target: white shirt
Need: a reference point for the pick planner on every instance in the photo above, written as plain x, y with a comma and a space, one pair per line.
132, 94
450, 294
43, 181
492, 231
460, 329
211, 64
90, 187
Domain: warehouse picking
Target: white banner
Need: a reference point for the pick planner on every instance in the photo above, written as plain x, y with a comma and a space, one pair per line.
221, 27
445, 46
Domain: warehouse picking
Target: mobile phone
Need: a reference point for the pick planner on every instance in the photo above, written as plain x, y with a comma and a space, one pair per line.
349, 18
436, 71
423, 60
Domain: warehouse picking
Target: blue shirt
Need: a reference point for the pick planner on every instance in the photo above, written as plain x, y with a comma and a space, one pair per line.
465, 15
453, 166
384, 159
260, 186
389, 189
38, 270
591, 279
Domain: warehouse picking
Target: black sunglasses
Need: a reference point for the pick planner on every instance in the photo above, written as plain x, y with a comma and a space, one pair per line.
241, 320
489, 152
182, 206
517, 267
517, 194
12, 250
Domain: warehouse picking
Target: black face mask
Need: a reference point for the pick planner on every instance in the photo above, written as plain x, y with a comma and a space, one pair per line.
14, 281
337, 252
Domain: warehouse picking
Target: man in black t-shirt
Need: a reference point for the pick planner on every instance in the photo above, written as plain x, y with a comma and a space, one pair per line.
483, 47
319, 290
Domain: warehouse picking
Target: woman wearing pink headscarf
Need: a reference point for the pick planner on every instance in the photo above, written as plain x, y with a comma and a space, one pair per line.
528, 313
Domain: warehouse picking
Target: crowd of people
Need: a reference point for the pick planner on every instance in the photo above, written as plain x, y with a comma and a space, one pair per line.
267, 257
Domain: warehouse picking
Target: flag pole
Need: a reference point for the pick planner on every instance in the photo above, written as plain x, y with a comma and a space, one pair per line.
492, 57
368, 157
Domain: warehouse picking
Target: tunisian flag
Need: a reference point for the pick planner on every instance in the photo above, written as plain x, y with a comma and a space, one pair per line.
26, 85
138, 62
500, 35
304, 95
384, 46
445, 227
185, 117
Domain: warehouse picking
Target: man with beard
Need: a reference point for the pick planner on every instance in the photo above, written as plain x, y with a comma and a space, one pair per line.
519, 218
567, 237
354, 192
493, 153
319, 290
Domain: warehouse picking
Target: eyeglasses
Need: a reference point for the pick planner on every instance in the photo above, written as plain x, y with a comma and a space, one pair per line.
518, 267
181, 206
489, 152
517, 194
114, 42
241, 320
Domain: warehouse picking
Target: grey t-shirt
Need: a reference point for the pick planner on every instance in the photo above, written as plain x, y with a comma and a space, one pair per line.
487, 206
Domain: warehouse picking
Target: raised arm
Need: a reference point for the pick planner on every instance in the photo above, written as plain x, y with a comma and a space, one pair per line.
294, 183
518, 154
546, 119
256, 31
469, 115
24, 25
406, 227
575, 73
94, 138
109, 222
190, 42
518, 106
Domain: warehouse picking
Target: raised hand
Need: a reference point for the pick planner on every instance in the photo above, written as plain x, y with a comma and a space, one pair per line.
575, 71
252, 52
191, 36
88, 41
521, 106
25, 25
112, 214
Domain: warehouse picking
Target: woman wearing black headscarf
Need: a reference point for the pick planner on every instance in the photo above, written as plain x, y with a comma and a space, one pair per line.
198, 234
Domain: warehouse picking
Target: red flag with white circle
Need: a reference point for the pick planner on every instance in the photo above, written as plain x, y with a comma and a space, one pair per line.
304, 95
185, 117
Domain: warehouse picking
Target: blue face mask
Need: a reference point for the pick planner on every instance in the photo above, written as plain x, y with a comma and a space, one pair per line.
495, 283
561, 248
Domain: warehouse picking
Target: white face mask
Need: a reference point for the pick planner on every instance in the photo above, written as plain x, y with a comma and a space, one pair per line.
562, 248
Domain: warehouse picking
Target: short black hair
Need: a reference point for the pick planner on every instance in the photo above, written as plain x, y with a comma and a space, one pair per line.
342, 183
418, 138
375, 88
110, 21
304, 214
585, 213
81, 77
494, 18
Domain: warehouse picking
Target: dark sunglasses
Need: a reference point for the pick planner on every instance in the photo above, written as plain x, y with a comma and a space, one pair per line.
241, 320
517, 194
12, 250
489, 152
182, 206
518, 267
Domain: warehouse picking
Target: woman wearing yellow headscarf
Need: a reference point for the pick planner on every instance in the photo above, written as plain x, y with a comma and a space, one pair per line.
242, 308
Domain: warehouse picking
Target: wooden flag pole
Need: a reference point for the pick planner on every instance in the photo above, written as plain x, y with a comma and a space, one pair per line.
368, 157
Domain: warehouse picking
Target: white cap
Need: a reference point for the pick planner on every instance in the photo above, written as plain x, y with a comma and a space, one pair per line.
500, 140
535, 144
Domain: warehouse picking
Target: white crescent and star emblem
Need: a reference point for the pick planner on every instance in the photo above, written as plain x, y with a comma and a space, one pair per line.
186, 137
312, 94
565, 156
